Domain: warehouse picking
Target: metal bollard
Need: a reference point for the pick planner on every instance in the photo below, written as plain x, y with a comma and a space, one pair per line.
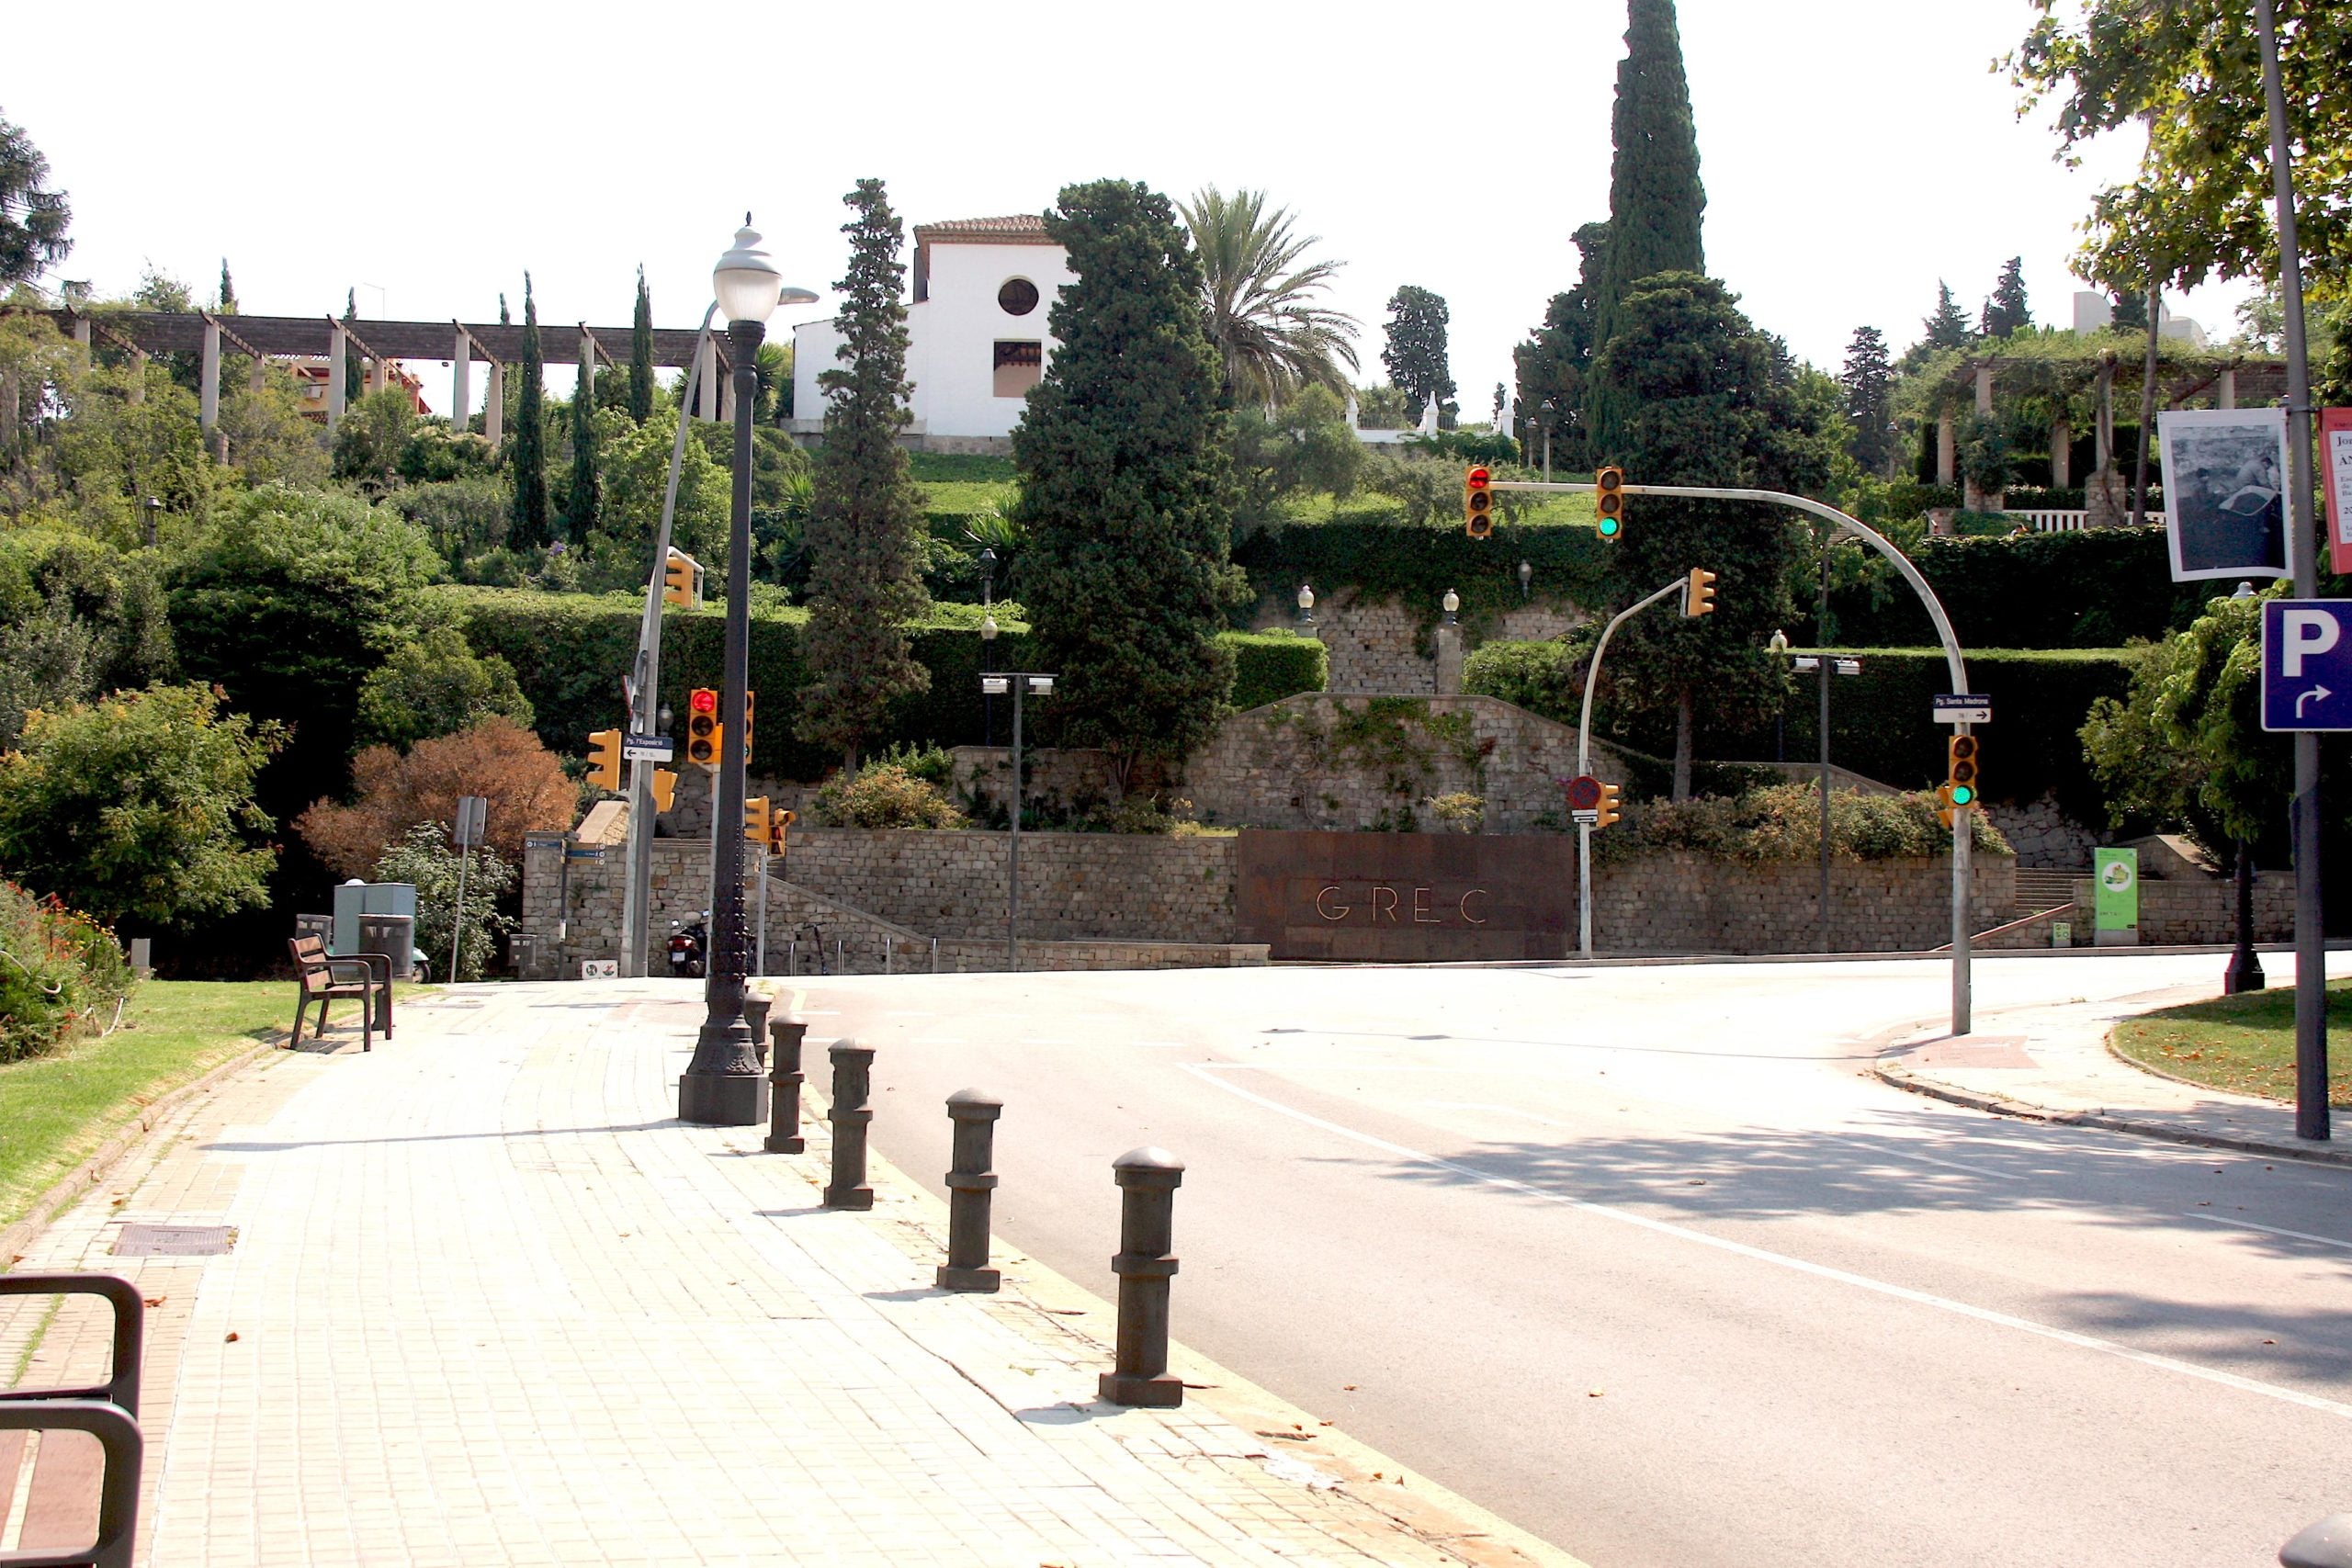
784, 1078
852, 1088
1149, 1178
2327, 1544
969, 1183
755, 1017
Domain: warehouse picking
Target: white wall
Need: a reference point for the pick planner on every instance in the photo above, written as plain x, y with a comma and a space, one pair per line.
952, 339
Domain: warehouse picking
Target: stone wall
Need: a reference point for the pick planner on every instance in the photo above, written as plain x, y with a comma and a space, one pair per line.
2043, 834
1315, 761
1676, 901
1381, 645
2200, 911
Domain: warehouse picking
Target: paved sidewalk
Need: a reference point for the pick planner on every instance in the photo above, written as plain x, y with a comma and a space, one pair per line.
488, 1303
2052, 1064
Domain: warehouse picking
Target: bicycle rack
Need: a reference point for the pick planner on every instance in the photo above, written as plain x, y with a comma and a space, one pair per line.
109, 1412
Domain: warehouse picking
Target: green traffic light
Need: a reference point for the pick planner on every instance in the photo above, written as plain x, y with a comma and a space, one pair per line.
1609, 527
1963, 795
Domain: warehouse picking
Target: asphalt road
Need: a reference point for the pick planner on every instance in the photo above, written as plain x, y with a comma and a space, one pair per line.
1645, 1262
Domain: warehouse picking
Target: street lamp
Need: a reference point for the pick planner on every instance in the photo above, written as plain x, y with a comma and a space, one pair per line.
1526, 576
1305, 605
988, 578
996, 683
1449, 603
723, 1086
988, 693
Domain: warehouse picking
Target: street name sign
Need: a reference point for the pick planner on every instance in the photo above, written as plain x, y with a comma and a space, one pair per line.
2307, 664
1964, 707
648, 748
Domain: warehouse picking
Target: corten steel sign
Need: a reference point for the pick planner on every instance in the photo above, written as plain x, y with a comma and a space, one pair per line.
1407, 897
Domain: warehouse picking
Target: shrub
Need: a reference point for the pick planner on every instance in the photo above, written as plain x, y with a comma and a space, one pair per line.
1270, 666
496, 759
436, 686
57, 968
884, 795
1783, 822
424, 859
1542, 677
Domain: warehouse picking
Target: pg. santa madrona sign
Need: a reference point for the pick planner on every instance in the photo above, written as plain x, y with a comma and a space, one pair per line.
1356, 897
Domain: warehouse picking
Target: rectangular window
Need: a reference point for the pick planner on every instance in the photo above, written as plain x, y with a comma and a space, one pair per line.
1019, 367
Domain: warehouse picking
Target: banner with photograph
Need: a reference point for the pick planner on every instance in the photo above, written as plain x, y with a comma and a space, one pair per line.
2335, 484
2225, 485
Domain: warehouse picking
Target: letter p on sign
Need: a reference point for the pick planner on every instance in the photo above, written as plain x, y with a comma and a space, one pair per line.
2306, 664
2308, 634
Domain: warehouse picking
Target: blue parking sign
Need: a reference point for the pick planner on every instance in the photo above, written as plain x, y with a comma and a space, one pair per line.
2307, 664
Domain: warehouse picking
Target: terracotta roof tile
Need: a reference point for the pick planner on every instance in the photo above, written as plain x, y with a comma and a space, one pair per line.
1015, 226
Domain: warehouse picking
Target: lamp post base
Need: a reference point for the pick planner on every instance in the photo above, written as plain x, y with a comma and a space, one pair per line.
732, 1095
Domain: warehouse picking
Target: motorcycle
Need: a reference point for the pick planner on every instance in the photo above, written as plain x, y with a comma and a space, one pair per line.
689, 948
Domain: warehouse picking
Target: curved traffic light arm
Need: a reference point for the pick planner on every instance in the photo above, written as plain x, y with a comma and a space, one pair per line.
1592, 671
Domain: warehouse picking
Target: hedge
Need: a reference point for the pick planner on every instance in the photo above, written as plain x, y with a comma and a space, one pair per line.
1880, 723
1416, 563
2088, 589
570, 651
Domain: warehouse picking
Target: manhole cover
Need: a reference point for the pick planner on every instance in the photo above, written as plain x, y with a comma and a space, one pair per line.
174, 1241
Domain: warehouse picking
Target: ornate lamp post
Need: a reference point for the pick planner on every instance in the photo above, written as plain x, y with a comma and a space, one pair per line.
723, 1086
1305, 605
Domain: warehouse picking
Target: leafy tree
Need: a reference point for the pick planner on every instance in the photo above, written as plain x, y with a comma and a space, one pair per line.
1869, 383
1124, 486
33, 218
1554, 362
436, 686
1655, 201
2188, 75
2006, 311
425, 860
224, 300
635, 470
2131, 309
368, 442
1714, 401
640, 354
579, 500
140, 809
77, 618
526, 455
865, 528
772, 377
1947, 327
1382, 407
269, 440
1266, 318
496, 759
1415, 355
1305, 444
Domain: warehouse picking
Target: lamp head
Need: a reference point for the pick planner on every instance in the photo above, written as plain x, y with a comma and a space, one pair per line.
1779, 643
987, 628
1306, 597
747, 284
1526, 573
1452, 601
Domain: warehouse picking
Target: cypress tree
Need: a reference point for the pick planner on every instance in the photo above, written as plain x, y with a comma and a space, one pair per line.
1656, 202
580, 504
865, 528
1555, 362
1869, 383
640, 354
352, 384
1947, 328
2007, 311
227, 306
1415, 355
503, 319
526, 448
1125, 488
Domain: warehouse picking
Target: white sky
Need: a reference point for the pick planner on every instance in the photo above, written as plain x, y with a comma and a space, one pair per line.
1854, 150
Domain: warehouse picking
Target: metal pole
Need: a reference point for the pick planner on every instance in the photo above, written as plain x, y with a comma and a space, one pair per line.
763, 910
1584, 761
1963, 837
722, 1085
2311, 957
2245, 966
457, 916
1823, 638
1013, 845
1584, 889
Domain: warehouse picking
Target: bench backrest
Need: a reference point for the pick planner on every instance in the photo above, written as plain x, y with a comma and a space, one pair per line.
309, 962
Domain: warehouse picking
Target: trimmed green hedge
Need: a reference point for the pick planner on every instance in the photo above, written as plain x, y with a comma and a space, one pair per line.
570, 651
2090, 588
1416, 563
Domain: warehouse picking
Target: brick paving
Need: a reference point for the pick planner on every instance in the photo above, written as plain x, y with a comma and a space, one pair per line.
489, 1303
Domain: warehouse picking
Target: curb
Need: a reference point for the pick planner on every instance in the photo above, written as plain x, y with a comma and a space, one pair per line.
1940, 955
2025, 1110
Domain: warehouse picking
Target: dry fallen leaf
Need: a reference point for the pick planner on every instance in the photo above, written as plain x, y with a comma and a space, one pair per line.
155, 1301
231, 1338
1593, 1393
1351, 1388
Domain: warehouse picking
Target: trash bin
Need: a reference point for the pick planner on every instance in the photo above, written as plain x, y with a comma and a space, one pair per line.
394, 936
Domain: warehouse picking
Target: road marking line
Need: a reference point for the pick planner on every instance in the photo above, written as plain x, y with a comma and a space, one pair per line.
1799, 1265
2271, 1230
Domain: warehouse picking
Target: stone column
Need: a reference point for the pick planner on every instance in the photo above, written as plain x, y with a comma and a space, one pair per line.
338, 388
2061, 452
254, 377
727, 400
380, 375
706, 386
207, 397
82, 330
461, 380
587, 367
11, 416
138, 374
1448, 661
1947, 449
2105, 428
1985, 389
493, 413
2225, 395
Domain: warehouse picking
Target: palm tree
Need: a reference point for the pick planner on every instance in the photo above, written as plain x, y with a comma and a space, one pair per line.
1263, 311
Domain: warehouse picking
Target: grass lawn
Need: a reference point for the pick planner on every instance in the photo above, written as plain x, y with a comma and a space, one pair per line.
55, 1109
2246, 1044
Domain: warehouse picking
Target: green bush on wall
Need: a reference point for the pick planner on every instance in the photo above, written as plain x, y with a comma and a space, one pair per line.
570, 651
1414, 564
2090, 588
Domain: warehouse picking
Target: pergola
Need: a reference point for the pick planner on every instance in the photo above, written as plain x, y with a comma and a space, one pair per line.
380, 344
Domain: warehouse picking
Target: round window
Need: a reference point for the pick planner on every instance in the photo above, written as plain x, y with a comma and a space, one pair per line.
1018, 296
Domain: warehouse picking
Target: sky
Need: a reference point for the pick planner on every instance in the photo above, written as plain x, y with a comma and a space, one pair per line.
1854, 152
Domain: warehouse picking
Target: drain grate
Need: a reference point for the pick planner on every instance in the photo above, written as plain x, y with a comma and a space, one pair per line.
174, 1241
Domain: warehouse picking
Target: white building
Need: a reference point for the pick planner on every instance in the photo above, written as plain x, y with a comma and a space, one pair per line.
976, 331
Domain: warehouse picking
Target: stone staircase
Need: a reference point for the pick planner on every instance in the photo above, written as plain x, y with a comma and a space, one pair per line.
2038, 890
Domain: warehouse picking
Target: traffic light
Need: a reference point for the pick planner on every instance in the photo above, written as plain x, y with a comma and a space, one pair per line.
756, 826
604, 758
1960, 770
665, 788
1608, 502
750, 699
1609, 810
682, 580
780, 830
1477, 502
703, 731
1699, 599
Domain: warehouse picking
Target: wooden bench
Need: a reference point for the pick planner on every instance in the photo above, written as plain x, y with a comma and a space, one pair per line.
366, 975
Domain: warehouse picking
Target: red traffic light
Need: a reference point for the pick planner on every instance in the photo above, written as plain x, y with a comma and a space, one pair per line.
1477, 479
704, 700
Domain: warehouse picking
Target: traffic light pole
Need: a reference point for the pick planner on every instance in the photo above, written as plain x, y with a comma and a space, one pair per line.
1584, 761
646, 702
1962, 828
